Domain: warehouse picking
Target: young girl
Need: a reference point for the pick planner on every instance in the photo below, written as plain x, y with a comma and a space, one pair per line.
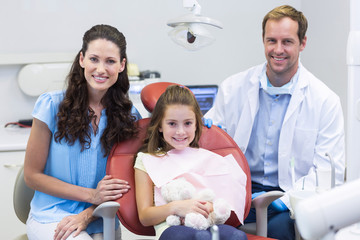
71, 137
171, 151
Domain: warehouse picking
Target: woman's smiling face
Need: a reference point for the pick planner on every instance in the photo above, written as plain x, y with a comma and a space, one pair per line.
102, 64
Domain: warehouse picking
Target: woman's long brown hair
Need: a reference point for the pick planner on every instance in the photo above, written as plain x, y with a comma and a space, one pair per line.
74, 116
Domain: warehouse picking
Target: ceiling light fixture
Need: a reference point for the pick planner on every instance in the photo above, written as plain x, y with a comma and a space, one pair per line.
189, 30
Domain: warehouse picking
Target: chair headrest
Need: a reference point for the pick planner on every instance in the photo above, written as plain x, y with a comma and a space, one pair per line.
151, 93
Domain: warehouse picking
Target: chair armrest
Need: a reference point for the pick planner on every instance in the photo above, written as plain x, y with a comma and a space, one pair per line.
261, 203
107, 211
264, 200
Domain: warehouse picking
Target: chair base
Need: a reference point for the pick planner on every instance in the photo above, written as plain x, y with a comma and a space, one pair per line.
249, 228
21, 237
127, 235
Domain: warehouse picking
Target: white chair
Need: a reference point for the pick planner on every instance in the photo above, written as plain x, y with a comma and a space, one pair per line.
23, 195
21, 199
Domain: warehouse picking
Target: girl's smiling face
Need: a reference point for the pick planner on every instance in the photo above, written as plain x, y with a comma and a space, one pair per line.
178, 126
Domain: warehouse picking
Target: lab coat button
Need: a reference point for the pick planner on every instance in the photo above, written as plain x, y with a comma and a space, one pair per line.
242, 149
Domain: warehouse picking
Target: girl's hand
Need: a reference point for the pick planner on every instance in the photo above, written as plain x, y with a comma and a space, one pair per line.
209, 207
73, 224
109, 189
184, 207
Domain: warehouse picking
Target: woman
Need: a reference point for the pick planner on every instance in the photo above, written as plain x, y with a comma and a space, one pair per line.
71, 137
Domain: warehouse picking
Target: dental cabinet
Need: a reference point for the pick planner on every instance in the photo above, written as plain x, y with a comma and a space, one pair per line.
12, 152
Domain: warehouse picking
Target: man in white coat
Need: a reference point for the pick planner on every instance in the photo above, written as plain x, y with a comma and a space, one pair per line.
283, 118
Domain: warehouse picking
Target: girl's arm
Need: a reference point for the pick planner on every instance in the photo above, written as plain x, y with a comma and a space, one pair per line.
150, 215
35, 160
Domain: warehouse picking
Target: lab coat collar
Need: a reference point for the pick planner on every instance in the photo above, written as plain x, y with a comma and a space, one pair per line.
250, 108
288, 88
298, 93
303, 79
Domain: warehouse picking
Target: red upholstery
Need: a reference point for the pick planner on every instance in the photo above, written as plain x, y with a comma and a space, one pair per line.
121, 160
151, 93
254, 237
121, 165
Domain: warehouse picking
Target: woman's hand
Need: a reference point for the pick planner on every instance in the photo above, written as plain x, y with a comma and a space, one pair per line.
73, 224
109, 189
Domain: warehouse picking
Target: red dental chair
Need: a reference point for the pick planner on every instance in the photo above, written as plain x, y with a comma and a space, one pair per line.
121, 161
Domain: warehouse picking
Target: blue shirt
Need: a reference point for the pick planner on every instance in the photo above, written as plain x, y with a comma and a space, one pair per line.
262, 151
69, 164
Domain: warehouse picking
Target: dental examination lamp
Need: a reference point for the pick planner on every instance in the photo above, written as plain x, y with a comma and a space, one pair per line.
320, 217
189, 30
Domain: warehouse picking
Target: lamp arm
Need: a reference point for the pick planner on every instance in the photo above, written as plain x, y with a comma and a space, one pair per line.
193, 6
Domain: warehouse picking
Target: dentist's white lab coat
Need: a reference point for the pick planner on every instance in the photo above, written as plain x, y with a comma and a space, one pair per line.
313, 124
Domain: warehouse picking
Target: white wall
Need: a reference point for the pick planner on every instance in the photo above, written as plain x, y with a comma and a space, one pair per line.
325, 53
41, 26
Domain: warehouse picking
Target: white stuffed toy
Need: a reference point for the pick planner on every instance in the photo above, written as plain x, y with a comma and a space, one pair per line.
180, 189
